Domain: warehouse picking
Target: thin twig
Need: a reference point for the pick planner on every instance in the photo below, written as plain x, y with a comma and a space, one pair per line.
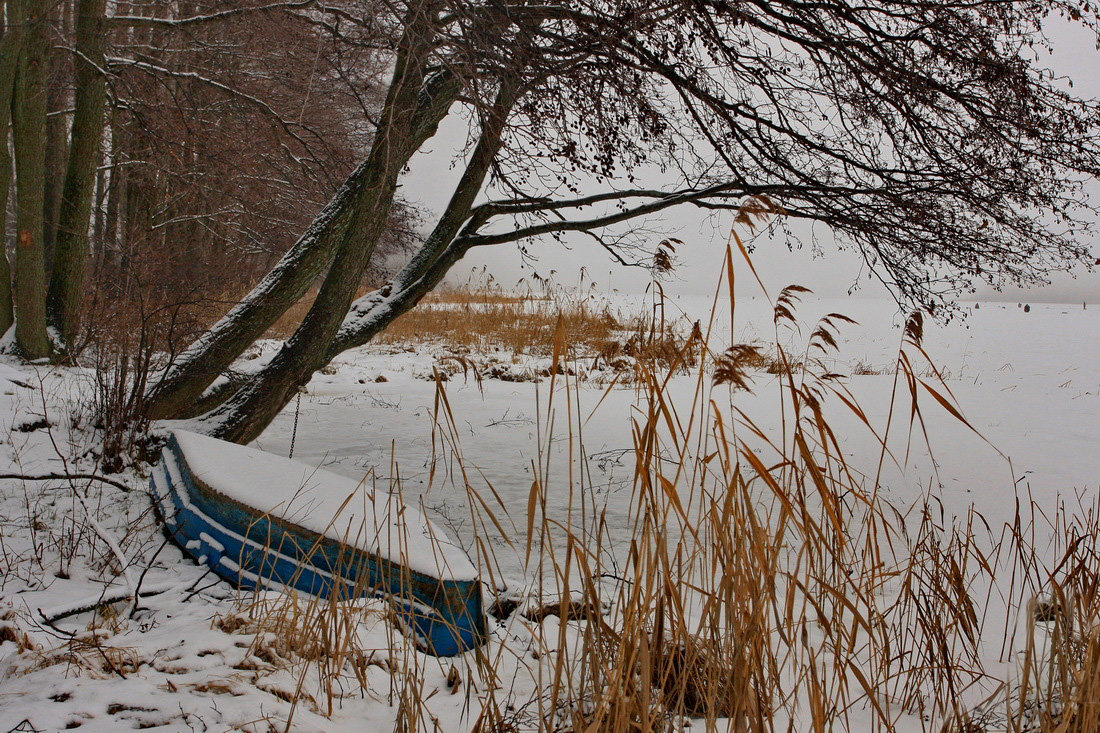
137, 589
68, 476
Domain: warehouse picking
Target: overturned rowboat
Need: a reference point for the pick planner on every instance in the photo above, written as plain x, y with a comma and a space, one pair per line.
264, 521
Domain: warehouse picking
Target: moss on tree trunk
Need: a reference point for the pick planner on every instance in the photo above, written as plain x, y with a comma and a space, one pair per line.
71, 247
29, 136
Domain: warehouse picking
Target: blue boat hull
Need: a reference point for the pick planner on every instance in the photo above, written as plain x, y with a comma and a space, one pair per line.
251, 549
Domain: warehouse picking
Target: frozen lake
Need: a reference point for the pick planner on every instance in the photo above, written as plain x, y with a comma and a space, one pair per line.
1029, 382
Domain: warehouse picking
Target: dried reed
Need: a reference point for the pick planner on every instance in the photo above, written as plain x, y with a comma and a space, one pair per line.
767, 584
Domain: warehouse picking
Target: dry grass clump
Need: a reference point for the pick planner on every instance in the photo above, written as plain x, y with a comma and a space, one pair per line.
522, 327
316, 641
768, 585
292, 317
735, 365
126, 341
687, 676
480, 317
862, 368
1059, 685
650, 341
10, 632
745, 594
475, 294
1081, 708
85, 653
454, 315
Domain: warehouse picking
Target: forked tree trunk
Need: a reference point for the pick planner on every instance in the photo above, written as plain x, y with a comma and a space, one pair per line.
197, 367
71, 248
249, 411
328, 329
29, 136
440, 252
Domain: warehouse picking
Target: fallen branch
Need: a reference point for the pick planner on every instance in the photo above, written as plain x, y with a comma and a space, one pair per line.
68, 476
567, 609
137, 589
52, 616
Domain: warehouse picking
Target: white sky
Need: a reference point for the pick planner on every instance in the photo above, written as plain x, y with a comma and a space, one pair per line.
830, 273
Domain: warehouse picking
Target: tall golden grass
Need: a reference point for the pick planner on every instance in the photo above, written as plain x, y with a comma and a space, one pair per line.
766, 584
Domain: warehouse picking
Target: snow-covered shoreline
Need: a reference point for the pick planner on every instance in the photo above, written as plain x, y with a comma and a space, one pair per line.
1028, 382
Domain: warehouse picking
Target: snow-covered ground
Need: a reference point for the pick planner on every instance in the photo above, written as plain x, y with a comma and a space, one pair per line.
1028, 383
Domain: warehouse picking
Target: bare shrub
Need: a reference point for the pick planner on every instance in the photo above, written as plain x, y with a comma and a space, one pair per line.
127, 344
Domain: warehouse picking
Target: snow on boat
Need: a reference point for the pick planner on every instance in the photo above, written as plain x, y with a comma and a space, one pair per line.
260, 520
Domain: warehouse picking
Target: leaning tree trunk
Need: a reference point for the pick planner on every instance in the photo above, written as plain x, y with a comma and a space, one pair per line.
442, 249
250, 410
178, 393
201, 363
29, 136
328, 329
71, 247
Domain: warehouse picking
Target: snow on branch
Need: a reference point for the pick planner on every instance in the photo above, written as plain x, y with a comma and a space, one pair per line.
141, 21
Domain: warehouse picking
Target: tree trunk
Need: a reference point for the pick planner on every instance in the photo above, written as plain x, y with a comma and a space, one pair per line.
373, 313
99, 219
249, 411
7, 313
29, 136
178, 393
71, 250
108, 240
202, 363
325, 333
56, 104
9, 58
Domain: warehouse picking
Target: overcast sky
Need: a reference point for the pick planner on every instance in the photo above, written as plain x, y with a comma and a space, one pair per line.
829, 272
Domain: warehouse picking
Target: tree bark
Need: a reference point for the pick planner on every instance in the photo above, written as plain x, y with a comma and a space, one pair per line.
177, 394
71, 250
9, 58
29, 136
250, 410
56, 103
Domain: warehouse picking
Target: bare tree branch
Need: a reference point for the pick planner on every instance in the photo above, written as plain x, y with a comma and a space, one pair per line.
139, 21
